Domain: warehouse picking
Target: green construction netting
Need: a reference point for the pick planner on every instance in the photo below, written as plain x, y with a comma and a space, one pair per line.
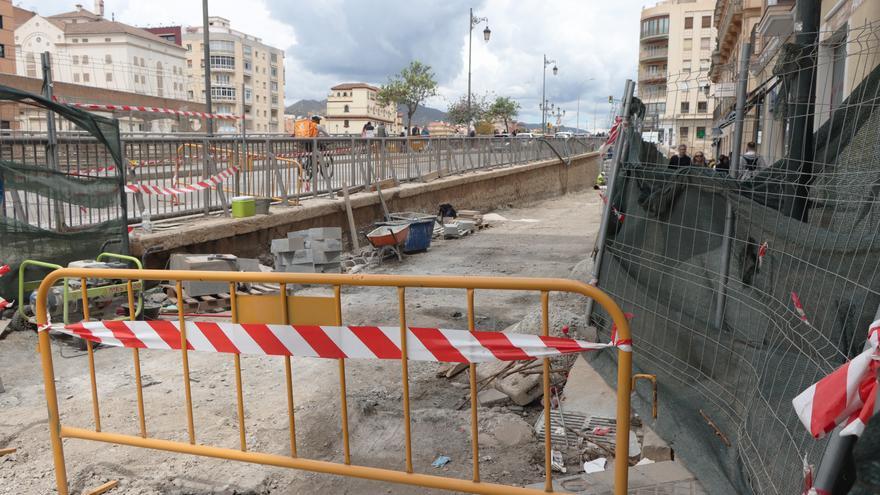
48, 213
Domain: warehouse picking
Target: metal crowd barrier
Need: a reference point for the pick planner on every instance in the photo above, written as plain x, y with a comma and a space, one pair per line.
243, 311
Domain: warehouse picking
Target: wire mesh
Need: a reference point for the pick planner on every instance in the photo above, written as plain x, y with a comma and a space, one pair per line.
805, 228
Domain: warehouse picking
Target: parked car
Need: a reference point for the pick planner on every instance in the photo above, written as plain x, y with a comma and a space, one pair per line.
564, 134
525, 135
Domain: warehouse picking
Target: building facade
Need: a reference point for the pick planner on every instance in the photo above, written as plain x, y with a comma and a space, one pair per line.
675, 44
8, 111
351, 105
247, 77
89, 50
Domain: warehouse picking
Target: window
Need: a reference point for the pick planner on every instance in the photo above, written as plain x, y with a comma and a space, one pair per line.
686, 66
76, 77
688, 22
222, 62
222, 78
274, 72
685, 107
655, 108
189, 63
2, 51
142, 62
345, 109
274, 86
107, 40
702, 107
701, 133
345, 123
189, 47
688, 44
704, 64
190, 95
223, 92
655, 26
683, 133
273, 57
31, 64
85, 77
704, 43
1, 22
108, 59
707, 21
108, 77
75, 59
85, 60
75, 40
247, 49
222, 46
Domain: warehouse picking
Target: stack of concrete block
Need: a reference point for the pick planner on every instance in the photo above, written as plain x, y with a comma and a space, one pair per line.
207, 262
317, 250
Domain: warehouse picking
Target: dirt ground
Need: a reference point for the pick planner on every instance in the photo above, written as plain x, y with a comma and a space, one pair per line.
509, 451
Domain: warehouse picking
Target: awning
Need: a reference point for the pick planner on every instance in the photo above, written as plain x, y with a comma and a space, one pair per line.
755, 96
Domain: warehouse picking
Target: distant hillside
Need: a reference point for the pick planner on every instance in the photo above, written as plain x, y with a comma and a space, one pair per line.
423, 114
305, 107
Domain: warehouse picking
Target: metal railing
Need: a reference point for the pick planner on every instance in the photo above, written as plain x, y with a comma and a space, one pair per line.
177, 339
272, 166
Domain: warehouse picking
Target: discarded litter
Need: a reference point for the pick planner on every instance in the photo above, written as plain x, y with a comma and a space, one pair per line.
601, 431
556, 461
645, 461
595, 466
441, 461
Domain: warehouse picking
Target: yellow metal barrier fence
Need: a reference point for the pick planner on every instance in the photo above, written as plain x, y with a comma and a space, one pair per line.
471, 284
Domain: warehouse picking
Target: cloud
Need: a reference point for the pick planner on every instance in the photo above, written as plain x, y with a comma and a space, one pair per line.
594, 42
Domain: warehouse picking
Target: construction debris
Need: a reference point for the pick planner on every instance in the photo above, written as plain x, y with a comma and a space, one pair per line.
441, 461
595, 466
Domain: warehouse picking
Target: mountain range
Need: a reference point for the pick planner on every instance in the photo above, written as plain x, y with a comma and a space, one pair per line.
422, 116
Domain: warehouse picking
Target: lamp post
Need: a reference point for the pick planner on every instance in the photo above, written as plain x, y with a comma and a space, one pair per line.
544, 91
473, 22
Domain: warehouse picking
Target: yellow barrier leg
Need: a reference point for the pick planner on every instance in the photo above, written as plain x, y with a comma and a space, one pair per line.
288, 375
346, 452
242, 437
548, 445
51, 399
404, 366
187, 389
472, 371
137, 365
96, 412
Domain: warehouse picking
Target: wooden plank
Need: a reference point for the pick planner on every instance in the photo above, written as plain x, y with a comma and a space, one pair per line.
352, 230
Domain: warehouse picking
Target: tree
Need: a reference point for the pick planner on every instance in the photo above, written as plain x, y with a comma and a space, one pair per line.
459, 114
505, 109
410, 88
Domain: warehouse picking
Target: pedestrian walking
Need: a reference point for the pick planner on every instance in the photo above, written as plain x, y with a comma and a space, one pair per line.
368, 131
681, 159
750, 163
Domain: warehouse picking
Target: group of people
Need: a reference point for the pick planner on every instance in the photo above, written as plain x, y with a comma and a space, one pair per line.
750, 162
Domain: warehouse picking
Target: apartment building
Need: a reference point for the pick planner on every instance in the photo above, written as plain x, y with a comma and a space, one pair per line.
8, 111
247, 76
351, 105
88, 50
675, 44
847, 54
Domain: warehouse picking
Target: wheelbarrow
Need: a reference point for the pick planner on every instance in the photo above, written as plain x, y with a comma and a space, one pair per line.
389, 238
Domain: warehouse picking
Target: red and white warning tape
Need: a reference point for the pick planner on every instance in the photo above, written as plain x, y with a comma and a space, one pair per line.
4, 269
799, 308
137, 108
358, 342
762, 252
848, 395
201, 185
620, 216
5, 304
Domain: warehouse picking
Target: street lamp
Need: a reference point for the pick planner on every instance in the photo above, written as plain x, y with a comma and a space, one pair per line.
473, 22
547, 62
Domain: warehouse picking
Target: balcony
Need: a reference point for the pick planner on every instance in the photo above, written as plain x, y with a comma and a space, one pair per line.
223, 93
222, 63
646, 77
651, 54
655, 36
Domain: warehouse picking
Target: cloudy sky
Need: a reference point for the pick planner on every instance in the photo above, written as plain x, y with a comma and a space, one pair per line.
326, 42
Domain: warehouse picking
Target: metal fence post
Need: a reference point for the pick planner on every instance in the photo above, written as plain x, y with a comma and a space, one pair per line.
742, 87
51, 136
606, 213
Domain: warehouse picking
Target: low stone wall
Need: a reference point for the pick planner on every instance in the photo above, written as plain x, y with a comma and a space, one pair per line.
483, 190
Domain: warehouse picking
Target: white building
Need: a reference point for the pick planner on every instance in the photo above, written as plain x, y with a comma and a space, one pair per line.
89, 50
351, 105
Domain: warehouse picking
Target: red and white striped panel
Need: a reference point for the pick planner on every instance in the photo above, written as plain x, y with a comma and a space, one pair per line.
848, 395
358, 342
208, 183
135, 108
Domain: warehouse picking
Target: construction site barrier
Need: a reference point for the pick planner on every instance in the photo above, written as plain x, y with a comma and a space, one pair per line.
288, 337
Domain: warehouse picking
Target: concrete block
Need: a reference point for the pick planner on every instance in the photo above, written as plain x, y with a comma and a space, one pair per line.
654, 448
326, 245
300, 268
248, 265
296, 242
303, 255
491, 397
182, 261
468, 225
329, 268
280, 246
327, 256
318, 233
